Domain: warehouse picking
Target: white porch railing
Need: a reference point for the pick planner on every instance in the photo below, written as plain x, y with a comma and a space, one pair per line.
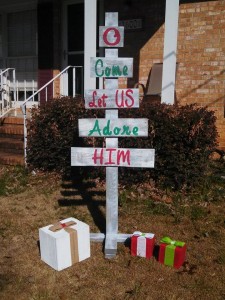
64, 91
12, 91
7, 89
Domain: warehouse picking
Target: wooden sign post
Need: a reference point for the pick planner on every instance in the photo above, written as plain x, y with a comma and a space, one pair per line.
111, 98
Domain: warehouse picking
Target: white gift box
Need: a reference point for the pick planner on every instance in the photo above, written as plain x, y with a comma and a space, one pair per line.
69, 242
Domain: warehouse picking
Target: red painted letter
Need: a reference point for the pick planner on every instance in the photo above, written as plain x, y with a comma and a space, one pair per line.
92, 104
128, 92
121, 100
110, 162
95, 157
116, 35
124, 156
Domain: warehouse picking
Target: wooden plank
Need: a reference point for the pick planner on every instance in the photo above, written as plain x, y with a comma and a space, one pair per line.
111, 67
111, 18
123, 237
111, 173
113, 157
113, 128
111, 36
99, 237
119, 98
111, 238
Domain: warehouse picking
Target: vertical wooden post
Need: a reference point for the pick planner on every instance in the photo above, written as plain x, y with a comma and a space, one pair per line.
112, 36
111, 172
111, 194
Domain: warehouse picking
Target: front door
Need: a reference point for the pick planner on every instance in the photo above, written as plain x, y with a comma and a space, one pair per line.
73, 41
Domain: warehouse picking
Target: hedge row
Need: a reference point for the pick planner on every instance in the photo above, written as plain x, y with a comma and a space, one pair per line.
182, 137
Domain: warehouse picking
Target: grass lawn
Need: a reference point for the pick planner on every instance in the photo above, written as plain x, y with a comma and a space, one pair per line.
30, 201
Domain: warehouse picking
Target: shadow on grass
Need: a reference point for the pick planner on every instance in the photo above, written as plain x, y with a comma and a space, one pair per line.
77, 190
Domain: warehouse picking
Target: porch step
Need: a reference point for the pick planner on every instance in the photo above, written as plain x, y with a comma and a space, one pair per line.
13, 130
12, 120
11, 140
11, 159
12, 145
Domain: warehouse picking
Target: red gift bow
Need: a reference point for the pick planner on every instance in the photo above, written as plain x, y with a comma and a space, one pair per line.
58, 226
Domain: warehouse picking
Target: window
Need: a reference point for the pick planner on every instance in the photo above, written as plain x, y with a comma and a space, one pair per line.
22, 34
20, 47
1, 48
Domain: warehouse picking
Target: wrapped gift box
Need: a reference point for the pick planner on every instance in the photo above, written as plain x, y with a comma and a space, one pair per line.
142, 244
64, 243
172, 253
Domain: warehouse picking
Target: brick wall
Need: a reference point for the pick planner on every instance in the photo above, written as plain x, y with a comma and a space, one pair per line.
56, 84
201, 50
45, 75
201, 57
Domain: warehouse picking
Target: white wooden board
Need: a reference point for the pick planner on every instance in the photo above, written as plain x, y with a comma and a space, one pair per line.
113, 157
113, 127
111, 67
111, 36
113, 98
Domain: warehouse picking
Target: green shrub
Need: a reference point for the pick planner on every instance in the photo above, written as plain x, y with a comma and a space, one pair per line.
182, 137
53, 130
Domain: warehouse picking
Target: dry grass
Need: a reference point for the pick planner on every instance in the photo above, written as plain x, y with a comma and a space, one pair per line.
45, 199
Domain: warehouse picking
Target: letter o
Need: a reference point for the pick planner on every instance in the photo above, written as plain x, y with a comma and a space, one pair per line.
116, 35
116, 130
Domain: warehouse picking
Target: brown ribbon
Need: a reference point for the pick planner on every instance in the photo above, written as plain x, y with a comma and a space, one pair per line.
73, 237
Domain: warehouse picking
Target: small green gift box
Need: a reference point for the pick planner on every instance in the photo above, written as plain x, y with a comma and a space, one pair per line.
172, 253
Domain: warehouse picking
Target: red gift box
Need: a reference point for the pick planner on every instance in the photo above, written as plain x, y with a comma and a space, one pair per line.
142, 244
172, 253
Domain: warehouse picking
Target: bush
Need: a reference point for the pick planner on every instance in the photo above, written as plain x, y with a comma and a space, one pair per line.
53, 130
182, 137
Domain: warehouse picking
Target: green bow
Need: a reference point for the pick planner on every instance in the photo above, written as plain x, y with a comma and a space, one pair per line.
170, 249
169, 241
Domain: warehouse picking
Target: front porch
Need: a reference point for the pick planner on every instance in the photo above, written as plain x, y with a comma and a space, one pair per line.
40, 38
